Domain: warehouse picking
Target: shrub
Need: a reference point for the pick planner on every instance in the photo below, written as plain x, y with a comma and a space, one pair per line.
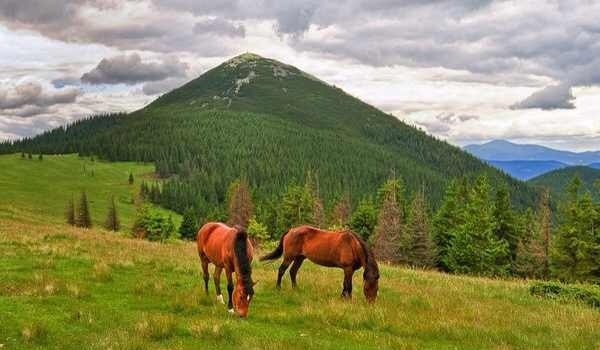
257, 231
588, 294
153, 225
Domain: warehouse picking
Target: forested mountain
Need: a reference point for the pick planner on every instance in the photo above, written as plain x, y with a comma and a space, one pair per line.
526, 169
271, 124
558, 180
505, 151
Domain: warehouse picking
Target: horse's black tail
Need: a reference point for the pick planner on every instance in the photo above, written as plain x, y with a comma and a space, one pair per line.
277, 252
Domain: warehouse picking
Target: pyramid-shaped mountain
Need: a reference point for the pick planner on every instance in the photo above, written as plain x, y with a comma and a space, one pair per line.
272, 124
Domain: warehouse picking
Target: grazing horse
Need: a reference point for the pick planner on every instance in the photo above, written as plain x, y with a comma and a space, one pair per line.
342, 249
230, 249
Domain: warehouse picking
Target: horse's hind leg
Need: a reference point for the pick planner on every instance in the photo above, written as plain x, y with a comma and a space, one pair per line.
204, 263
347, 291
284, 265
217, 280
294, 269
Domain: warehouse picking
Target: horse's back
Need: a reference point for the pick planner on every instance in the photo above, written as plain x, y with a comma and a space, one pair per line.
327, 248
211, 237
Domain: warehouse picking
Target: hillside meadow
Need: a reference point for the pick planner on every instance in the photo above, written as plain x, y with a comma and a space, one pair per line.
67, 288
39, 190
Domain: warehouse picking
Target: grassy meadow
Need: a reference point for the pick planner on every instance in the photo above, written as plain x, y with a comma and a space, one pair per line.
68, 288
39, 190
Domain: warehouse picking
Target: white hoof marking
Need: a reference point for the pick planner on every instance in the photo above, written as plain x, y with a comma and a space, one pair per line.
230, 311
220, 298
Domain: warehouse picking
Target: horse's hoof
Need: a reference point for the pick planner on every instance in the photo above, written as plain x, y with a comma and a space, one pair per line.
220, 298
230, 311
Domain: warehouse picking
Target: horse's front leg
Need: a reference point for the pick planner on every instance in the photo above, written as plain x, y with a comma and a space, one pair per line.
228, 273
217, 280
347, 291
204, 263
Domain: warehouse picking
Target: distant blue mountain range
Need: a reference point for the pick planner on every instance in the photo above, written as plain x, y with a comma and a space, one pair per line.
527, 169
524, 161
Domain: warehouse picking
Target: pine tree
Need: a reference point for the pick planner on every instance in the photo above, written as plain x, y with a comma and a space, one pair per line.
23, 155
576, 243
189, 225
389, 242
240, 205
83, 217
130, 179
295, 208
531, 259
506, 226
70, 212
340, 213
364, 218
312, 187
474, 248
112, 218
544, 216
29, 156
40, 157
448, 219
420, 248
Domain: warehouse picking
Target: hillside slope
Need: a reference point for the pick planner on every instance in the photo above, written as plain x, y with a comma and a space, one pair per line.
558, 180
272, 123
61, 287
39, 190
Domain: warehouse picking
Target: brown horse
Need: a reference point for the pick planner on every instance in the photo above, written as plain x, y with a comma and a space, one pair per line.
228, 248
342, 249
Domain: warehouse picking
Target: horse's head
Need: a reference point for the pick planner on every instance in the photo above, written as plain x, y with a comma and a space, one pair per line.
371, 280
242, 296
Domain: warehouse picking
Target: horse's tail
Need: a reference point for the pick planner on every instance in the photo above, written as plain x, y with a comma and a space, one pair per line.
277, 252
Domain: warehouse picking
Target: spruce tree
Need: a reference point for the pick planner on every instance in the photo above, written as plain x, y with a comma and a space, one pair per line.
364, 218
474, 248
576, 243
544, 216
389, 243
240, 205
420, 248
40, 157
23, 155
29, 156
83, 216
506, 225
70, 212
189, 226
448, 219
112, 218
531, 259
312, 187
295, 208
130, 179
340, 213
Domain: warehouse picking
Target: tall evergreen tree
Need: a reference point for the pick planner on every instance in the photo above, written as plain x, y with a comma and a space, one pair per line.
448, 219
544, 217
189, 225
295, 208
112, 222
340, 214
312, 187
240, 207
389, 241
531, 259
474, 248
130, 178
576, 243
364, 218
70, 212
83, 217
420, 248
506, 224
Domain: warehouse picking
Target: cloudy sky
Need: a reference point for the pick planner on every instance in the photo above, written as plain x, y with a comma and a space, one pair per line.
466, 71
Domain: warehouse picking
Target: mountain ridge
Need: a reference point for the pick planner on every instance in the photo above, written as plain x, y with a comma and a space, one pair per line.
272, 123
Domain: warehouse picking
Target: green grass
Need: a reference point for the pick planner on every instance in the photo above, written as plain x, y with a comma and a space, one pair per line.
64, 288
39, 190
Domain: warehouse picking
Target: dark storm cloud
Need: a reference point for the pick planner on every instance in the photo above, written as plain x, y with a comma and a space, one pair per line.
551, 97
27, 98
129, 69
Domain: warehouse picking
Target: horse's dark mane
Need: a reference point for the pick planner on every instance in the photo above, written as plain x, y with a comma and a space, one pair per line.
240, 248
371, 269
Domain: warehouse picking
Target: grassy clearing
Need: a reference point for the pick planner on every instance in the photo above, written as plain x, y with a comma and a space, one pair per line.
65, 288
38, 191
